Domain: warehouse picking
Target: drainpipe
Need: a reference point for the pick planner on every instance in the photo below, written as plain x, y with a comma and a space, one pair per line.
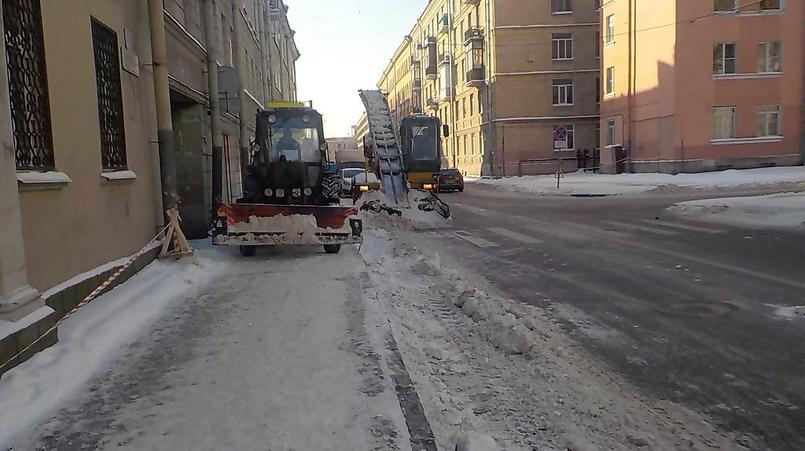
492, 135
165, 136
267, 76
453, 66
213, 55
240, 65
630, 90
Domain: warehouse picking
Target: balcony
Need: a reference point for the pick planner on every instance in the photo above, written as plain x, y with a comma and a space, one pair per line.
473, 34
416, 84
476, 77
444, 23
445, 59
471, 2
447, 94
431, 72
433, 104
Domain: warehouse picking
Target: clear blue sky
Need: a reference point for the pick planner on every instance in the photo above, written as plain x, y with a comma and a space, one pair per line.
345, 46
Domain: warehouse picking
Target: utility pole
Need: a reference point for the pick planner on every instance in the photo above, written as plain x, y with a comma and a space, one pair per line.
213, 55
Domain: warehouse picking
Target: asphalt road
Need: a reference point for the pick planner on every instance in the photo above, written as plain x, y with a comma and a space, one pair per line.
684, 310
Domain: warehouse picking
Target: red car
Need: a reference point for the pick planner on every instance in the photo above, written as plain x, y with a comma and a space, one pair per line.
450, 180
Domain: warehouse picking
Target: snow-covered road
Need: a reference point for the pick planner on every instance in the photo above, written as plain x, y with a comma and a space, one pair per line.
393, 347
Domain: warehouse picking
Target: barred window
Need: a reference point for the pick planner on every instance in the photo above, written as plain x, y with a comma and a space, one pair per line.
28, 85
110, 97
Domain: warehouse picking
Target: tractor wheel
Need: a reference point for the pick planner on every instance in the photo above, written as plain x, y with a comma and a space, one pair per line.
331, 188
248, 251
332, 248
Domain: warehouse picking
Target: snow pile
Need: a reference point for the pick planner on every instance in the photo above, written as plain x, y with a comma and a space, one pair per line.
92, 338
581, 183
777, 211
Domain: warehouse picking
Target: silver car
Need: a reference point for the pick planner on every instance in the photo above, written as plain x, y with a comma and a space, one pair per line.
346, 176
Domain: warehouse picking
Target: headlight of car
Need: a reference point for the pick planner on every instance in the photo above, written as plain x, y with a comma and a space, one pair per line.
364, 188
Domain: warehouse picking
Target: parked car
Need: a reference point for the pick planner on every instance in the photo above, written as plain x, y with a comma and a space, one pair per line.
346, 176
363, 183
450, 180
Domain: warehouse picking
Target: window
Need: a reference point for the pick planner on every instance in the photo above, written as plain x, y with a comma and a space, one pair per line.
610, 133
562, 46
472, 104
610, 80
610, 29
563, 138
29, 100
723, 122
562, 92
724, 5
770, 5
561, 6
597, 89
110, 96
724, 58
598, 44
769, 57
768, 120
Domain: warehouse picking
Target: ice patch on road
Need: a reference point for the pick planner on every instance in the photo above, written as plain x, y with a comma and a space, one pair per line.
92, 338
777, 211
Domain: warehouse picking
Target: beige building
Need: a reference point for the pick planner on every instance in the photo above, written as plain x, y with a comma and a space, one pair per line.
79, 168
705, 85
514, 79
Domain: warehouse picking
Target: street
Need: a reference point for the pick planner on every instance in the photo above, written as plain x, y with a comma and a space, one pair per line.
683, 310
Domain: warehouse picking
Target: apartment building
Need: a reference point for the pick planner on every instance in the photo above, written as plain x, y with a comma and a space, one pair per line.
79, 168
516, 80
700, 86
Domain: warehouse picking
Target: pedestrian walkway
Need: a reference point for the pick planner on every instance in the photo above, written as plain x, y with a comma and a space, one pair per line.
282, 352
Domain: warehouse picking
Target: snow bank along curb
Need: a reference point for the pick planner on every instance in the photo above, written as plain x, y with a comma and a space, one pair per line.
580, 183
91, 339
59, 300
777, 211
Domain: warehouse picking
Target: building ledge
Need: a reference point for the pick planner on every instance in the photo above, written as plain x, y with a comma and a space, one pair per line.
752, 140
32, 180
747, 75
117, 176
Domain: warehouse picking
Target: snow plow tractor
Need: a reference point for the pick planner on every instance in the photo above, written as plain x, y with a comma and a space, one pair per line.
289, 195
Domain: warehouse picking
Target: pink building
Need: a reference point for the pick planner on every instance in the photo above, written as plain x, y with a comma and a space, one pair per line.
701, 85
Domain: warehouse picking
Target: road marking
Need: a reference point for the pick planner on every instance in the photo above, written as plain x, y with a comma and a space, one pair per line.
689, 228
515, 236
647, 229
475, 240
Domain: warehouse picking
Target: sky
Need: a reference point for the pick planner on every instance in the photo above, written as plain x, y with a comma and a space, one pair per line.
345, 46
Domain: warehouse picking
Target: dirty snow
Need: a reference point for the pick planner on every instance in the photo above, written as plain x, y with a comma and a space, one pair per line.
11, 327
580, 183
502, 372
91, 338
777, 211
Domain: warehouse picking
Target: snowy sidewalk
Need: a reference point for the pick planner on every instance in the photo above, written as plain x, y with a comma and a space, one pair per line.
581, 183
777, 211
278, 352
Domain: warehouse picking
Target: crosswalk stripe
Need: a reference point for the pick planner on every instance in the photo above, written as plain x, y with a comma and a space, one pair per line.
475, 240
689, 228
647, 229
515, 235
